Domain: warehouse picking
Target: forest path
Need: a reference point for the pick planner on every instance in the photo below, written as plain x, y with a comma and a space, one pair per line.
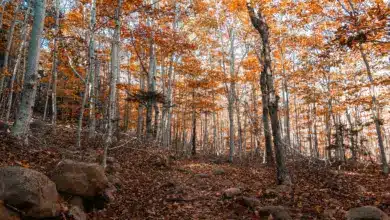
186, 189
193, 188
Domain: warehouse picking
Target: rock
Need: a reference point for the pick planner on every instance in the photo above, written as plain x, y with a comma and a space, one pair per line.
202, 175
29, 191
251, 202
231, 192
366, 213
77, 213
218, 171
6, 214
78, 178
277, 213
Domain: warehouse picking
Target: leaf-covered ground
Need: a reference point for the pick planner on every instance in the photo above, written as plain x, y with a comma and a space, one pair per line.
156, 184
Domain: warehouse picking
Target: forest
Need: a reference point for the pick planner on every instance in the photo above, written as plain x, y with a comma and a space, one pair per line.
194, 109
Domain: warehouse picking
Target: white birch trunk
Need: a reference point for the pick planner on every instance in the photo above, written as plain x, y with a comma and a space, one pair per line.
24, 114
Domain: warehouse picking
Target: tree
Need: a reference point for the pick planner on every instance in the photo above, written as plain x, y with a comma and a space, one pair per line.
113, 79
271, 98
24, 114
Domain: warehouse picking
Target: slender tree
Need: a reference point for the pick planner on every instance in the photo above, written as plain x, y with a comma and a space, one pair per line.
24, 114
115, 68
261, 26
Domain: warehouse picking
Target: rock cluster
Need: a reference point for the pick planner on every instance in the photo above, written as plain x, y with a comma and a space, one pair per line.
26, 193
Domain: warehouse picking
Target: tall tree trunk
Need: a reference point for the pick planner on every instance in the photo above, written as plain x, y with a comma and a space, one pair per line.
231, 95
166, 136
260, 24
140, 118
17, 64
54, 70
92, 72
193, 151
375, 112
287, 119
10, 36
151, 81
238, 116
115, 69
268, 156
317, 154
25, 111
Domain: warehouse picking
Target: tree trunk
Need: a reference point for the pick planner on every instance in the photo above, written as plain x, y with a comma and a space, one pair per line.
375, 112
260, 24
231, 96
17, 64
140, 120
151, 81
25, 111
317, 155
10, 37
193, 151
54, 70
92, 72
115, 69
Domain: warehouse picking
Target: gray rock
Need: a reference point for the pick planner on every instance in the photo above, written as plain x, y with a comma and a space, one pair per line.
231, 192
29, 191
78, 178
251, 202
366, 213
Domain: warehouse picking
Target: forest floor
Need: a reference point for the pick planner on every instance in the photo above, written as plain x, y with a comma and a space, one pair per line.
158, 185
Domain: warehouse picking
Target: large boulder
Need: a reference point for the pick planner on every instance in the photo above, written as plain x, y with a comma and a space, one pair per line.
366, 213
29, 191
78, 178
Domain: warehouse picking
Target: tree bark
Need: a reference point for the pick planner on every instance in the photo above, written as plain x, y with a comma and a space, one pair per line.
92, 72
115, 70
17, 64
10, 37
24, 114
261, 26
375, 112
193, 151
